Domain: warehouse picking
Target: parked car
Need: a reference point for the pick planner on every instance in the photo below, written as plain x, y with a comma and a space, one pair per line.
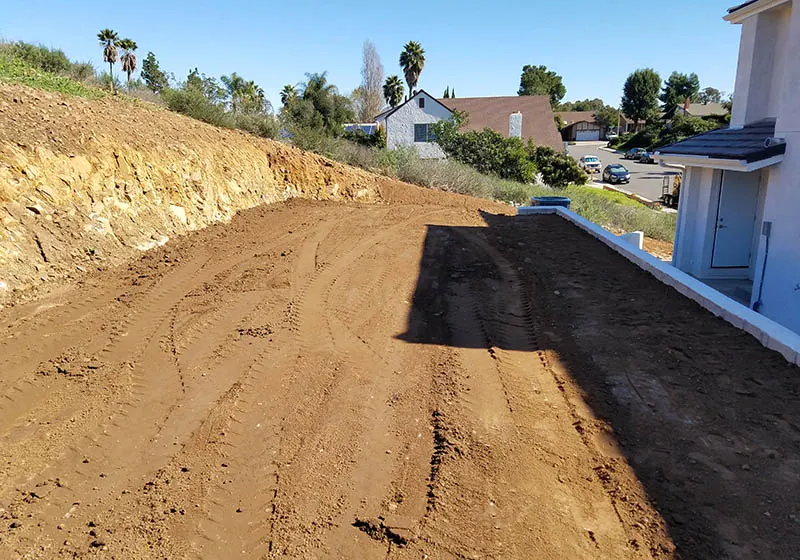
646, 157
616, 173
611, 136
590, 164
634, 153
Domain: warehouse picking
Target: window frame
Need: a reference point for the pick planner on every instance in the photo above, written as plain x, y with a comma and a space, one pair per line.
428, 135
421, 103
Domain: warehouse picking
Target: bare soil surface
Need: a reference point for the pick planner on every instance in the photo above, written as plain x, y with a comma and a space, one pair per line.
409, 380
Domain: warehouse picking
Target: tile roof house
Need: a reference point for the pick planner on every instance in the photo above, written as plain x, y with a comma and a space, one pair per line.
526, 117
739, 213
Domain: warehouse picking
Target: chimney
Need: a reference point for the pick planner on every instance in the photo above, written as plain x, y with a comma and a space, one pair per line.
687, 104
515, 125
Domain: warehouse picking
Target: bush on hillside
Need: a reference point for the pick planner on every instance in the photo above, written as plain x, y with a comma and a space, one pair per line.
376, 140
38, 56
17, 71
265, 125
682, 127
486, 150
192, 103
558, 169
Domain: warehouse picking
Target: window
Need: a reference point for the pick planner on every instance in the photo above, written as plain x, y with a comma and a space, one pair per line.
422, 133
421, 102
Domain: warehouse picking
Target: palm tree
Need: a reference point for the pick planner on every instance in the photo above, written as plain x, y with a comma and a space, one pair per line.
128, 58
412, 59
108, 38
253, 98
288, 93
236, 87
317, 87
393, 91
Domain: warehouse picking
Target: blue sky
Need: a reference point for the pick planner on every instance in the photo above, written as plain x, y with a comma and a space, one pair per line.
477, 48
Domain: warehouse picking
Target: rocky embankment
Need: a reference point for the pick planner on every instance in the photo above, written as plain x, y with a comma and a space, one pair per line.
87, 184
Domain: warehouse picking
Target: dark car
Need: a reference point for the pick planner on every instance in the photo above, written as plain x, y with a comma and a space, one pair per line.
634, 153
646, 157
616, 173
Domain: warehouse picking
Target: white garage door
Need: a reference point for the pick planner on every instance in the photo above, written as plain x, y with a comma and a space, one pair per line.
586, 135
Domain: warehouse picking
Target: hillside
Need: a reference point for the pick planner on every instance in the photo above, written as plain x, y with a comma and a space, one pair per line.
89, 183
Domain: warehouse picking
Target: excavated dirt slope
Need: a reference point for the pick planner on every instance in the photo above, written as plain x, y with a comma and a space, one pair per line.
91, 183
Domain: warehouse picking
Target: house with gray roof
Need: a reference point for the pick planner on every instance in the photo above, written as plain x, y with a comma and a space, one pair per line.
739, 212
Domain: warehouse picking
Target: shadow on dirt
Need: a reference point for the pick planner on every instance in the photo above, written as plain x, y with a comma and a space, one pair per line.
708, 419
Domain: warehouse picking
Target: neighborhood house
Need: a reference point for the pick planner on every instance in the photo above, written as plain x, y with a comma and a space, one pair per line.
582, 126
528, 117
738, 219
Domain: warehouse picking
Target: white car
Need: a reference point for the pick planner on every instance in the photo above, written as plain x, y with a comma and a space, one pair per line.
591, 164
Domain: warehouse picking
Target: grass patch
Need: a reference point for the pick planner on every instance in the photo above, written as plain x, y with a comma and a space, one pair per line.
17, 71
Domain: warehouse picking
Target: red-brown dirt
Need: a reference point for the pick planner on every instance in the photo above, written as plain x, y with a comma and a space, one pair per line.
409, 380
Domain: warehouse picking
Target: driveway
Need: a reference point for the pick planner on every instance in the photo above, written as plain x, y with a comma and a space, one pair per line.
646, 178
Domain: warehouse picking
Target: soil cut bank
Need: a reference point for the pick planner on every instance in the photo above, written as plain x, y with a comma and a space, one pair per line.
91, 183
339, 380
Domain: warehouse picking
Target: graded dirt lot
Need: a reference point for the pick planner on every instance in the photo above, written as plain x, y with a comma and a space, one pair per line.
409, 380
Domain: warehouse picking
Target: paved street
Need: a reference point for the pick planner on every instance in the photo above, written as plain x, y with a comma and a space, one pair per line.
646, 179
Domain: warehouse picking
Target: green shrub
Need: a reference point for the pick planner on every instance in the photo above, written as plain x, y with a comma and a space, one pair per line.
488, 152
17, 71
192, 103
37, 56
642, 139
558, 169
266, 126
376, 140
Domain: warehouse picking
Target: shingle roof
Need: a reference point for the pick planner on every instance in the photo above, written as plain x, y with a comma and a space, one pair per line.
740, 6
745, 143
493, 112
571, 117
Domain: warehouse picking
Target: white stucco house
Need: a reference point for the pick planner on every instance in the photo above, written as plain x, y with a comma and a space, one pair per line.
526, 117
739, 211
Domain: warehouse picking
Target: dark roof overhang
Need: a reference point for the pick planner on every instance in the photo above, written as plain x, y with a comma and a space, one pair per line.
745, 146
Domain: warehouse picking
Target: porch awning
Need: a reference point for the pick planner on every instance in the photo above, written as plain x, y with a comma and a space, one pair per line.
745, 148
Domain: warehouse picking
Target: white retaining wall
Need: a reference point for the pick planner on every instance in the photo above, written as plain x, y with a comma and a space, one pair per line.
768, 332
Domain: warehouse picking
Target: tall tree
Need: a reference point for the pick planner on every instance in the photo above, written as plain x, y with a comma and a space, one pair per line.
236, 86
640, 95
207, 86
607, 117
677, 89
710, 95
538, 80
393, 91
446, 94
320, 106
288, 94
371, 83
584, 105
152, 75
412, 60
128, 58
108, 39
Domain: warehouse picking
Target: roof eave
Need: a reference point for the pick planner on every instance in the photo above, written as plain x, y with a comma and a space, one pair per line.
741, 13
690, 160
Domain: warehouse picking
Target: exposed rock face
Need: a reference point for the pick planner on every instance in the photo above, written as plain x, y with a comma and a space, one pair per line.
87, 183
